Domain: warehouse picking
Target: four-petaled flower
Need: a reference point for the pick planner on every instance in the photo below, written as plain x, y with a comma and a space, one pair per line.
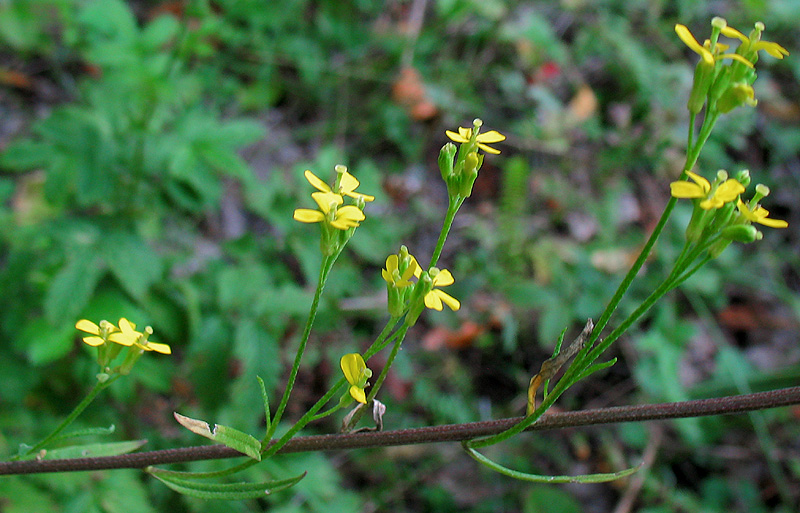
392, 273
465, 134
342, 217
356, 373
436, 297
347, 184
703, 50
759, 215
725, 192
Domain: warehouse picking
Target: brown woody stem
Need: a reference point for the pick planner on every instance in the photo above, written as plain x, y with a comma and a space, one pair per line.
445, 433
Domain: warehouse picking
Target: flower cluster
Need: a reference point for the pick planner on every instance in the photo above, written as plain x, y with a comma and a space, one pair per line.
406, 295
722, 86
338, 220
110, 339
720, 210
460, 174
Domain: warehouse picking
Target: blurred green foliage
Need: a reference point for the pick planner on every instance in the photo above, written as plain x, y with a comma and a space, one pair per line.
152, 154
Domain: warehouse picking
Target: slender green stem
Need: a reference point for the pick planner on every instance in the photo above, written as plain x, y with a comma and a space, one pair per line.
93, 393
379, 342
452, 209
325, 267
398, 341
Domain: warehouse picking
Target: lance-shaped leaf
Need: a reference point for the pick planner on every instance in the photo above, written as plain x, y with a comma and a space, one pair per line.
93, 450
233, 438
535, 478
225, 491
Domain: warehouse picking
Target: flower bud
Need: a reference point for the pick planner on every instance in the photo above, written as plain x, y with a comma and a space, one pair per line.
446, 156
741, 233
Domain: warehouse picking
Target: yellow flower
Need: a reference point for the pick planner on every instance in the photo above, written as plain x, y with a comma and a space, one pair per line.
703, 50
356, 373
129, 336
436, 297
392, 274
465, 134
724, 193
759, 215
329, 208
100, 334
749, 46
347, 184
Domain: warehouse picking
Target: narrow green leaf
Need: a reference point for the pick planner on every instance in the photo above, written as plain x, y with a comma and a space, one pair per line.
233, 438
94, 450
266, 402
588, 478
596, 367
225, 491
85, 432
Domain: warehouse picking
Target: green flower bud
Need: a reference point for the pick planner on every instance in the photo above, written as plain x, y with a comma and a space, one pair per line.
446, 156
741, 233
743, 177
735, 96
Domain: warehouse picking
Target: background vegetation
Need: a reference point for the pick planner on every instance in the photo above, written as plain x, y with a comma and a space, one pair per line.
152, 154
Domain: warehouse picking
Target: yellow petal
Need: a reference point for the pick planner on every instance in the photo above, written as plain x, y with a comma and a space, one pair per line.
433, 301
391, 263
735, 34
122, 339
353, 367
88, 327
158, 348
455, 137
689, 40
316, 182
773, 223
443, 279
728, 190
449, 300
736, 57
351, 213
306, 215
492, 136
699, 180
358, 394
326, 199
488, 149
348, 183
711, 203
94, 341
774, 49
685, 189
466, 133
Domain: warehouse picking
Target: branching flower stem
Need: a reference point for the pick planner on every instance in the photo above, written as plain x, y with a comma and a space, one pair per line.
325, 268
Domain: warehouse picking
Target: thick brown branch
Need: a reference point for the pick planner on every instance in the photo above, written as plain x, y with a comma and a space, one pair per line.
446, 433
